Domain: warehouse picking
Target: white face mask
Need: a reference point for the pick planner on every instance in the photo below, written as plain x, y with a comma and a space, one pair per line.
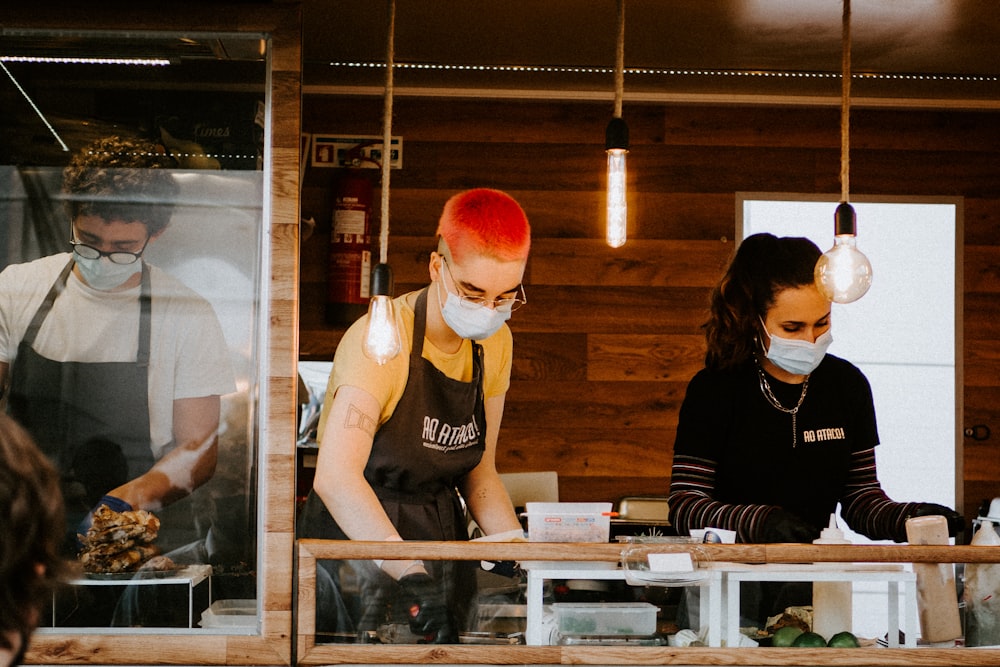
103, 274
476, 323
798, 357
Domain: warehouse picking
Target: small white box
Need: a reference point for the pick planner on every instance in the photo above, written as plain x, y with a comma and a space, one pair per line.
635, 619
230, 613
568, 522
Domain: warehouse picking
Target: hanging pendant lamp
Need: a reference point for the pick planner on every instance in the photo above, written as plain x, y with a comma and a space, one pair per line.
616, 146
843, 274
382, 340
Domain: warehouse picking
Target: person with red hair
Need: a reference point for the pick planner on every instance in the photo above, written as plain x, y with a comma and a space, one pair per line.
407, 446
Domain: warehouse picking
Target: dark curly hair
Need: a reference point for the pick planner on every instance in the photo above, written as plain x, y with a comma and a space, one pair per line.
121, 179
763, 265
32, 526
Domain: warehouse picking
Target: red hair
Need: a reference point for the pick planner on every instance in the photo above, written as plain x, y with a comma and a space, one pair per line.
487, 222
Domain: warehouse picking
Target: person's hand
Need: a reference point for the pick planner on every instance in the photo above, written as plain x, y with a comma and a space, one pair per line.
783, 526
427, 608
956, 522
113, 503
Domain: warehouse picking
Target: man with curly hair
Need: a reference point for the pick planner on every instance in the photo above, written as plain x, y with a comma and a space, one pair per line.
114, 367
31, 527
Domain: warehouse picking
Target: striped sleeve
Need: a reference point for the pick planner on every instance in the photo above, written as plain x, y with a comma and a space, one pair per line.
866, 507
692, 485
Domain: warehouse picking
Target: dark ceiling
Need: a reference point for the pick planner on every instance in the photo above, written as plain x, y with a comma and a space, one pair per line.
904, 52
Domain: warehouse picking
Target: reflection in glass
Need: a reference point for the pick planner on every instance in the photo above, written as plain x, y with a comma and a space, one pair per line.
124, 376
356, 602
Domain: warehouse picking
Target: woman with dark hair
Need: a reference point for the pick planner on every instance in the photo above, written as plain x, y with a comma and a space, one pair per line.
31, 531
774, 432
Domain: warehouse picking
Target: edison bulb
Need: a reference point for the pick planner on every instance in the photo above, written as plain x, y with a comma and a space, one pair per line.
843, 273
381, 334
617, 208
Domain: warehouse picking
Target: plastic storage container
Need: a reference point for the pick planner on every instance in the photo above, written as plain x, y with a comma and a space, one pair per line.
569, 522
230, 614
626, 619
832, 600
982, 593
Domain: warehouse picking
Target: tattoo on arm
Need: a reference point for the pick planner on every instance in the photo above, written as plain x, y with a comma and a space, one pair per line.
357, 418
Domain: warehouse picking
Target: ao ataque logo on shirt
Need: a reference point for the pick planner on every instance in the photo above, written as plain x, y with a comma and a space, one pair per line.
823, 434
448, 437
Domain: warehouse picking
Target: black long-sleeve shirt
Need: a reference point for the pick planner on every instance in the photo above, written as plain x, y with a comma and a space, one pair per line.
736, 459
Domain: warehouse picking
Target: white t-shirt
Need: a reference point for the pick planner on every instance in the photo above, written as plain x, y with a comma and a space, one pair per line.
189, 357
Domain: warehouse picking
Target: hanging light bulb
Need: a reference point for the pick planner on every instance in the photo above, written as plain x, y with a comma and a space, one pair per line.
382, 341
843, 273
381, 335
616, 145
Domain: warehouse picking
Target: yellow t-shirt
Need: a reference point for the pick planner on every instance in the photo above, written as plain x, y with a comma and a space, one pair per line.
387, 382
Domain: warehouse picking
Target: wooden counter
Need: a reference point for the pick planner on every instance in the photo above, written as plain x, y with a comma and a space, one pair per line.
310, 653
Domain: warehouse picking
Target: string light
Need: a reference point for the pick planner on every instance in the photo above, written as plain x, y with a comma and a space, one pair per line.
843, 273
616, 147
62, 60
670, 71
382, 340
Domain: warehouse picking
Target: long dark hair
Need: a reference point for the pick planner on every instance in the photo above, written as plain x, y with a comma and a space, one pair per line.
762, 266
32, 526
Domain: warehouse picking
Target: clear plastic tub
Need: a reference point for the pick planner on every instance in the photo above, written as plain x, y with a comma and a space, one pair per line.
229, 614
631, 619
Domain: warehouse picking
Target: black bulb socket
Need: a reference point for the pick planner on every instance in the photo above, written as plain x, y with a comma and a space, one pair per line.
616, 135
845, 222
381, 280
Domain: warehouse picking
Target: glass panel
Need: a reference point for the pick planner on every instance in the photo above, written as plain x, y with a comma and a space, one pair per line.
489, 603
158, 458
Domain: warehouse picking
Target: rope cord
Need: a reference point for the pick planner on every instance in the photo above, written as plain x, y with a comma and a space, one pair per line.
620, 60
383, 241
845, 105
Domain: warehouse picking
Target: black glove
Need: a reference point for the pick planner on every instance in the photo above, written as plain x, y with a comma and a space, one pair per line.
783, 526
956, 522
504, 568
427, 608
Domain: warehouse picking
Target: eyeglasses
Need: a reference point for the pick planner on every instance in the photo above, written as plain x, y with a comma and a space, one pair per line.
116, 256
502, 304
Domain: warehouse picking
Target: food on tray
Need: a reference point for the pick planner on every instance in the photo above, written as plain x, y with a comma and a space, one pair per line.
158, 564
119, 541
796, 617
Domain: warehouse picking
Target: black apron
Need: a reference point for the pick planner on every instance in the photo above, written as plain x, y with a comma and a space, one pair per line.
435, 436
91, 419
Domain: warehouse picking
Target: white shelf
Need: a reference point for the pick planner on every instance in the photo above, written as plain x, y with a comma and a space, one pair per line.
190, 576
721, 605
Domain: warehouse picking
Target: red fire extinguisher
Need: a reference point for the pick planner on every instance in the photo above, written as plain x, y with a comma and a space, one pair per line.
350, 259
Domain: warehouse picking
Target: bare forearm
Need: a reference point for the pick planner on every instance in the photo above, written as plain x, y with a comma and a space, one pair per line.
175, 476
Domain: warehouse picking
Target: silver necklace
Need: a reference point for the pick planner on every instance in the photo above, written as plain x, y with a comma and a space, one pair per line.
765, 388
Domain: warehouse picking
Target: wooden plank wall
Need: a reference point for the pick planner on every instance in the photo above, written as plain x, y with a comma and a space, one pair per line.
610, 337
